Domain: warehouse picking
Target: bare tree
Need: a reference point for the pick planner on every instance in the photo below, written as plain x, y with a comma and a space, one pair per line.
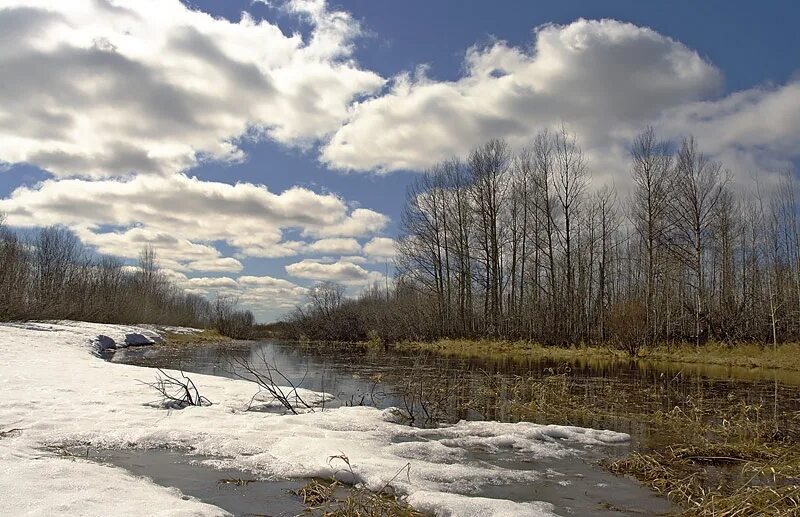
177, 393
698, 190
266, 375
57, 253
571, 181
521, 244
653, 177
326, 297
488, 166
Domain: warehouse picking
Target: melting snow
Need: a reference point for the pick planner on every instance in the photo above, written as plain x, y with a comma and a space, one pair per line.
57, 391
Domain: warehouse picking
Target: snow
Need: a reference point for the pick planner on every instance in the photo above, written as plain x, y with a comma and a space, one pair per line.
447, 505
58, 392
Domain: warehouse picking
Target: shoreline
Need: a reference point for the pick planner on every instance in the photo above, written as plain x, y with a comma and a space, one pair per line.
785, 357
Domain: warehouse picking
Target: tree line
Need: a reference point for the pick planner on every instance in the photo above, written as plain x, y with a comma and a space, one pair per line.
525, 245
52, 275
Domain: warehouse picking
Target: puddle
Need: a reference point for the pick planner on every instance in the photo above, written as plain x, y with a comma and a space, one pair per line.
565, 482
577, 489
189, 474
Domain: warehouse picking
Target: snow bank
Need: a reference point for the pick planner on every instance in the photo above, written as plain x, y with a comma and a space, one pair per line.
59, 393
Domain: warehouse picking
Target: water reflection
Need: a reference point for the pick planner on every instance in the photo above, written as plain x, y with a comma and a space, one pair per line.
484, 388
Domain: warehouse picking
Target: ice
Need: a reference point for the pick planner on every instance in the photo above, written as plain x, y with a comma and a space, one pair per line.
58, 392
447, 505
297, 397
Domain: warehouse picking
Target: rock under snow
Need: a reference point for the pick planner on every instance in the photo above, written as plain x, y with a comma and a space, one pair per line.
138, 339
105, 343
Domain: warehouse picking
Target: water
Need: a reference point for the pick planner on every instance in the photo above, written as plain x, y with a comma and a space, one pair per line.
480, 388
240, 493
483, 389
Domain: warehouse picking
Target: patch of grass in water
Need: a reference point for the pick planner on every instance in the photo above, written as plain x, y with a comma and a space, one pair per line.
750, 355
714, 481
195, 338
333, 499
713, 456
513, 349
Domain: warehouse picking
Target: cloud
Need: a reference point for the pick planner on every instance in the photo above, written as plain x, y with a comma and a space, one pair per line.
210, 282
184, 218
592, 74
119, 98
268, 297
341, 271
221, 264
266, 281
361, 221
756, 129
104, 88
380, 247
335, 246
101, 88
604, 79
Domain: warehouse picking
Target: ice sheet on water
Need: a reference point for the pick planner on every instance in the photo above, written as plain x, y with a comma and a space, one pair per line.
447, 505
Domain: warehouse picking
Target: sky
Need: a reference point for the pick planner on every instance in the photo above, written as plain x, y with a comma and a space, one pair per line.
263, 146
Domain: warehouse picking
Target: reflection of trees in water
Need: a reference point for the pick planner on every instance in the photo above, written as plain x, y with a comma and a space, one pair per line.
433, 388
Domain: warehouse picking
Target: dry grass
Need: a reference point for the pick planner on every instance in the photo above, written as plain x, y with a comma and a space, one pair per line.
333, 499
748, 355
712, 453
195, 338
509, 349
714, 481
713, 456
737, 462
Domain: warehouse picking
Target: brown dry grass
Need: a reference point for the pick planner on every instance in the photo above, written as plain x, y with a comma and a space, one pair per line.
333, 499
195, 338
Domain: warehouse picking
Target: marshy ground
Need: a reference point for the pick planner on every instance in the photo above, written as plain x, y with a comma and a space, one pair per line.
715, 439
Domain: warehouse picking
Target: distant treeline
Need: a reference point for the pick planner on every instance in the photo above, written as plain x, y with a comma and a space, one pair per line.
523, 246
52, 275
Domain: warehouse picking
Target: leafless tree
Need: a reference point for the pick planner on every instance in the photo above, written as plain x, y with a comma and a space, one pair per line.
653, 178
700, 185
53, 275
571, 181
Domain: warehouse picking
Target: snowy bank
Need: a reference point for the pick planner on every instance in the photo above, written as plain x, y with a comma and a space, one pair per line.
58, 392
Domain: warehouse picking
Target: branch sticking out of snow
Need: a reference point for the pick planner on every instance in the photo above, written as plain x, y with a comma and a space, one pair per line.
177, 393
264, 373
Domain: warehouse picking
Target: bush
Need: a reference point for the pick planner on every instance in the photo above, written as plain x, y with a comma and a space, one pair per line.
627, 325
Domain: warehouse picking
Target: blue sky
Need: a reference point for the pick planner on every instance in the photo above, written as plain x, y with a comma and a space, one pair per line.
126, 108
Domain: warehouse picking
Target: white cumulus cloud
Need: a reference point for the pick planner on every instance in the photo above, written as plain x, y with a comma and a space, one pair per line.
184, 218
342, 271
380, 247
592, 74
605, 80
110, 87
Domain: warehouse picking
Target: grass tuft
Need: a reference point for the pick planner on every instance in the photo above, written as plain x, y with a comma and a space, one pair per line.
334, 499
204, 337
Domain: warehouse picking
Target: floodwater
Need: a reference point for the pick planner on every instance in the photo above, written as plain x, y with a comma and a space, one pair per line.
437, 389
237, 492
